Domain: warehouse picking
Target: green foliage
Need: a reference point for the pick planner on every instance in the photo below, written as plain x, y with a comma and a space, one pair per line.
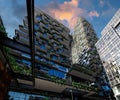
16, 68
2, 31
46, 98
83, 86
12, 61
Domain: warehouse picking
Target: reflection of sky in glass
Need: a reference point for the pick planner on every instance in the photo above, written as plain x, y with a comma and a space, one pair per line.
56, 73
22, 96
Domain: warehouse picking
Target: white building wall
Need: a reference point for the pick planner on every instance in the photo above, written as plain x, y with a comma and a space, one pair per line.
108, 47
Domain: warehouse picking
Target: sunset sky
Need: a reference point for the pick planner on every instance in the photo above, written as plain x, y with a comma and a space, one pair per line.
97, 12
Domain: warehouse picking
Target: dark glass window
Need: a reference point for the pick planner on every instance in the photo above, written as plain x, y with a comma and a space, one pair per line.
43, 54
42, 46
36, 26
55, 35
54, 57
26, 55
46, 25
38, 18
38, 58
36, 42
24, 62
61, 59
44, 35
59, 50
56, 73
60, 39
54, 44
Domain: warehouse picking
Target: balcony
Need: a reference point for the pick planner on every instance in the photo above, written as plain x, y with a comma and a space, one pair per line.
82, 72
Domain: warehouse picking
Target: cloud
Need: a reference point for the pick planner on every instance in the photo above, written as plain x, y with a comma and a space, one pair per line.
68, 11
93, 14
19, 9
12, 14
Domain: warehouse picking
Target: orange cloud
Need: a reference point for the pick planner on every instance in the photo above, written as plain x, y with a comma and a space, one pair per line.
67, 11
93, 14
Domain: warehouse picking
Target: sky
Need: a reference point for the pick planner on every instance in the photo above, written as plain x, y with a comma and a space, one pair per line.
97, 12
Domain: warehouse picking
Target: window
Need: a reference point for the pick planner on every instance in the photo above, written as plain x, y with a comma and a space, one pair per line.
60, 39
36, 26
54, 57
43, 54
44, 35
62, 59
55, 35
62, 46
42, 46
26, 62
62, 68
38, 18
56, 73
46, 25
26, 55
60, 50
38, 58
36, 42
35, 33
54, 44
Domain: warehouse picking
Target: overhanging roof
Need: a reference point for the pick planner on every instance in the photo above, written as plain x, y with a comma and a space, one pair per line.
81, 75
48, 86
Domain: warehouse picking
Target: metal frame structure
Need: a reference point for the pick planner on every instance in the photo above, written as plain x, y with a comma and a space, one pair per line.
30, 10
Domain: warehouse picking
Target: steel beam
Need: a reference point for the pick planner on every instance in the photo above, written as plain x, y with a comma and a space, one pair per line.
30, 12
5, 41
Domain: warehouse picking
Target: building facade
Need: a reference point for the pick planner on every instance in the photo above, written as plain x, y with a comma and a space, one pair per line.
83, 50
85, 54
52, 45
108, 47
52, 60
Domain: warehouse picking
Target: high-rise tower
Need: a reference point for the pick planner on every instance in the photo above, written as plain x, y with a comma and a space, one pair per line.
83, 46
108, 47
52, 45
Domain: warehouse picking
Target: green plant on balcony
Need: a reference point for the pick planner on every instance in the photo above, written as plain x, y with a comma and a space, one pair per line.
83, 86
60, 81
52, 78
12, 60
16, 68
2, 31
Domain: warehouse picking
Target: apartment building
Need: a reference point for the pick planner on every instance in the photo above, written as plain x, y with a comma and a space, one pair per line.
52, 45
83, 50
108, 47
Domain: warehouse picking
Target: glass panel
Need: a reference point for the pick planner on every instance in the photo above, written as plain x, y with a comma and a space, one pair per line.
38, 18
54, 57
42, 46
36, 26
44, 35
